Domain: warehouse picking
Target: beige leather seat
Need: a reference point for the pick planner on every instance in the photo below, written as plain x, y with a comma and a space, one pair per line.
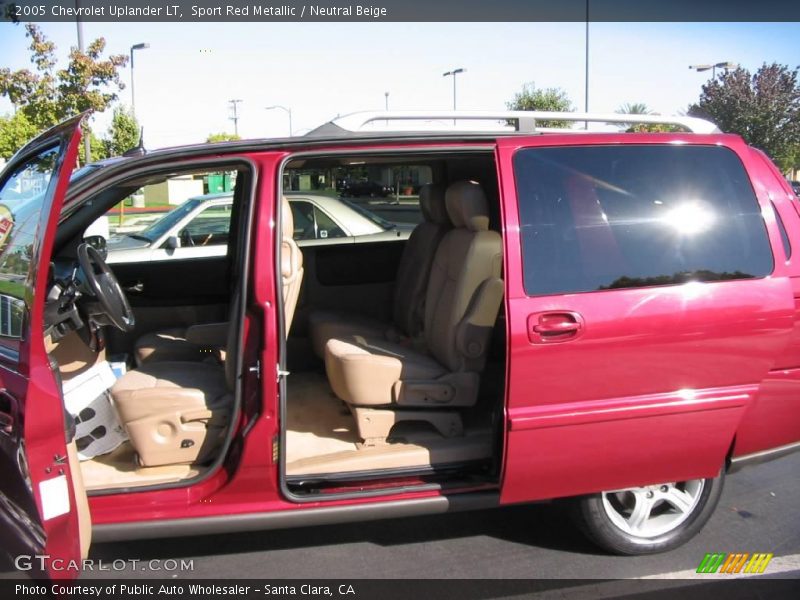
194, 343
178, 411
385, 383
198, 342
175, 412
410, 286
291, 265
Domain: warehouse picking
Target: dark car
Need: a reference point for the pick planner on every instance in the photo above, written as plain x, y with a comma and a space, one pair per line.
795, 187
372, 189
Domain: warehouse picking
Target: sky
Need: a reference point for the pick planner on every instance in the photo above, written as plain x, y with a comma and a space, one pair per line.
318, 70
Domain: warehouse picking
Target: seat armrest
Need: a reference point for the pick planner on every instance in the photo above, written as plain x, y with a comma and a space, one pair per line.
209, 334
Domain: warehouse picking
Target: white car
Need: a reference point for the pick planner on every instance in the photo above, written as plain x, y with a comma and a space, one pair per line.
199, 228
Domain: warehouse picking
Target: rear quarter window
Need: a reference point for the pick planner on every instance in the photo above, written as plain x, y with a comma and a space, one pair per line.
608, 217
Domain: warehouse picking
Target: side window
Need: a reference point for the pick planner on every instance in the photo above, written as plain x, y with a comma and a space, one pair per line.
22, 197
606, 217
311, 223
325, 227
303, 217
787, 246
153, 218
209, 228
361, 197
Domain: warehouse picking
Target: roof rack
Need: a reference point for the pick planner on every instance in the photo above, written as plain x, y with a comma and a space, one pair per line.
523, 121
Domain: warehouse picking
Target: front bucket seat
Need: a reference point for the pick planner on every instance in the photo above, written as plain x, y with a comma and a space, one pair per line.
198, 342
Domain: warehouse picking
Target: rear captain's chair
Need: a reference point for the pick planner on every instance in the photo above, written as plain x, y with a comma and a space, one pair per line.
384, 383
408, 304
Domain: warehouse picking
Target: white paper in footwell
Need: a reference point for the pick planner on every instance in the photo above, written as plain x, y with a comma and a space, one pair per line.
86, 397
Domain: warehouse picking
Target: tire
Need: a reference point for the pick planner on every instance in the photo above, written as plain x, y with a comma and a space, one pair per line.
669, 516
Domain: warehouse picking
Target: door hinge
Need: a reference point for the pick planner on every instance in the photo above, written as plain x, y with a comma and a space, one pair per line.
256, 369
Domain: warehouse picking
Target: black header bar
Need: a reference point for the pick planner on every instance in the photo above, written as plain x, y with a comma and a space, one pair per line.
399, 10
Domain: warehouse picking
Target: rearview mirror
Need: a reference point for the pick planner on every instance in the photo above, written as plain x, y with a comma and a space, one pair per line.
172, 242
98, 242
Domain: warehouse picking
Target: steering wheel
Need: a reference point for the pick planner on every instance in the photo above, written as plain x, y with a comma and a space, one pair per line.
186, 238
104, 285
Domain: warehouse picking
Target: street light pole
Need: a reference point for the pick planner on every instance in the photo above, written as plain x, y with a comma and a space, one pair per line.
713, 68
87, 142
288, 112
386, 97
235, 118
453, 73
135, 47
586, 68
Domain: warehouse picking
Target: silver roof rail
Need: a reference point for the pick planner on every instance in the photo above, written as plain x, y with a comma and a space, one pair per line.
524, 120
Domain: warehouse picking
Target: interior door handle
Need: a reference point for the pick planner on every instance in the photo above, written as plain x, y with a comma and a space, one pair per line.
135, 288
555, 326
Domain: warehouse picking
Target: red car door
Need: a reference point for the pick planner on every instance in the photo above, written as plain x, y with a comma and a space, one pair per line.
39, 521
771, 425
645, 308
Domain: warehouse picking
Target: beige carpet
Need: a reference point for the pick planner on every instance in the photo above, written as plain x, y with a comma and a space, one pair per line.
321, 437
119, 469
317, 422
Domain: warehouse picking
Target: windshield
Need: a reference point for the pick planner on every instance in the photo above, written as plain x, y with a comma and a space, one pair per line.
380, 222
168, 221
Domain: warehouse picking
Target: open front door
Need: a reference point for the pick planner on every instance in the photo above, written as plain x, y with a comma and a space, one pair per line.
39, 506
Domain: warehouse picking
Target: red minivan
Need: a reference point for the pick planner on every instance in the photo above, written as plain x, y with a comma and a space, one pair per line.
606, 317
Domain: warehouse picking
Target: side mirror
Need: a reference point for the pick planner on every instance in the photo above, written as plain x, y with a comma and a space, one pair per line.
98, 242
172, 242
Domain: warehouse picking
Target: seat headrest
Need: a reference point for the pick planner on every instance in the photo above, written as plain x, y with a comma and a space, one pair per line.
466, 205
287, 219
431, 201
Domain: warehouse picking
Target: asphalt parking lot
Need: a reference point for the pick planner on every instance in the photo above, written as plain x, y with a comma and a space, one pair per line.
758, 512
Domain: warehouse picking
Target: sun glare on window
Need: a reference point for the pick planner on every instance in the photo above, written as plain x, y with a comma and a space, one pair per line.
690, 218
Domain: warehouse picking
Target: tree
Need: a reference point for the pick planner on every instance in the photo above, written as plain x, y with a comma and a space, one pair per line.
123, 133
98, 147
15, 130
222, 137
763, 108
635, 108
640, 108
49, 94
549, 99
